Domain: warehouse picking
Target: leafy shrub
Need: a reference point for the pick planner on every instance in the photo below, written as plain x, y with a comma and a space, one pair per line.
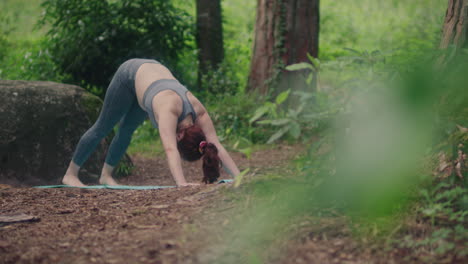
220, 81
443, 205
311, 112
90, 39
231, 113
434, 99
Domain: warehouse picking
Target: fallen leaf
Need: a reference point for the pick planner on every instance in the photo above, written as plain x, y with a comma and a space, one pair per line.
66, 211
18, 218
4, 244
462, 129
445, 168
159, 206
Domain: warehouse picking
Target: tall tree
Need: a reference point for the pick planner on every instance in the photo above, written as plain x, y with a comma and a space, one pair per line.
209, 35
285, 32
455, 25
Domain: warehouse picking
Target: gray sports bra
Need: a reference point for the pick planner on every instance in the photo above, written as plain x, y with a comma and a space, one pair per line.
162, 85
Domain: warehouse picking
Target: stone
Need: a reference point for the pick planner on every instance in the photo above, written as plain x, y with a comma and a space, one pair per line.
40, 125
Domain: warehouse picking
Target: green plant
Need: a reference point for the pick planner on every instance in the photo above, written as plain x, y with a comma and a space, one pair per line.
312, 113
443, 204
230, 114
89, 39
286, 122
220, 81
29, 60
313, 67
124, 169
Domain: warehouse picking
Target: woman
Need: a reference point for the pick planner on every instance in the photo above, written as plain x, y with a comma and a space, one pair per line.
142, 88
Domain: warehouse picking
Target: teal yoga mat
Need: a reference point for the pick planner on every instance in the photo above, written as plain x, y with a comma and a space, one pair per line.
119, 187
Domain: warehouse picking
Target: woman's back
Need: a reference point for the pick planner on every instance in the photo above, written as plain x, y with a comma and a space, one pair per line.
149, 73
146, 75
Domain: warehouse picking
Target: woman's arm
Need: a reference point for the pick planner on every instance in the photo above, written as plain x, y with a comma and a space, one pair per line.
205, 123
167, 131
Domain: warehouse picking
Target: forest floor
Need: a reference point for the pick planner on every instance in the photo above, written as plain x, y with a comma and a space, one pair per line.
160, 226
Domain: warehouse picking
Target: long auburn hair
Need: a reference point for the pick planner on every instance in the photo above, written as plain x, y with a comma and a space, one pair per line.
192, 147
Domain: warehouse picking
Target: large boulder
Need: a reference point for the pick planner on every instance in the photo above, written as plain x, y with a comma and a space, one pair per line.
40, 125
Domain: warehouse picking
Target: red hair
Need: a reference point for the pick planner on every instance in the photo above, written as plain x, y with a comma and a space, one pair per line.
192, 148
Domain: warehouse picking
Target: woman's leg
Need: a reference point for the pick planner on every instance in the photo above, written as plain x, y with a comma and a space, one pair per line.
117, 103
121, 141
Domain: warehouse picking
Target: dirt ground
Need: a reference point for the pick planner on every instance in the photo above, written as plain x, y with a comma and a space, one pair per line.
167, 225
120, 226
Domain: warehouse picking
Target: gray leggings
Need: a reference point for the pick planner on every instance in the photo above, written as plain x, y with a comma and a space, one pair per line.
120, 104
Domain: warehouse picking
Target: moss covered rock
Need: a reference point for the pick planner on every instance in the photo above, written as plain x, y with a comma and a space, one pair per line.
40, 125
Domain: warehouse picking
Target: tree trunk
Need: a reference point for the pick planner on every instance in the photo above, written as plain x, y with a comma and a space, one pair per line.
285, 31
209, 35
455, 24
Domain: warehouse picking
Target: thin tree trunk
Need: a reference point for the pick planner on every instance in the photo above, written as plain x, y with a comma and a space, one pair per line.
285, 31
455, 24
262, 58
209, 35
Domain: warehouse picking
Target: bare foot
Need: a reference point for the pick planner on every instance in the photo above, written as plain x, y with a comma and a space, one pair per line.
107, 180
72, 180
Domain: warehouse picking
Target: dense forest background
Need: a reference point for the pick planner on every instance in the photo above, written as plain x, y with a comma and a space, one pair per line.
380, 110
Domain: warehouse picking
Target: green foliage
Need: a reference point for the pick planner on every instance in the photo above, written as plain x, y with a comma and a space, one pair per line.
23, 16
90, 37
313, 67
444, 205
230, 114
29, 60
238, 26
358, 72
5, 30
35, 60
310, 115
443, 202
219, 81
23, 53
238, 31
145, 141
239, 178
367, 162
364, 163
412, 27
124, 169
288, 123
